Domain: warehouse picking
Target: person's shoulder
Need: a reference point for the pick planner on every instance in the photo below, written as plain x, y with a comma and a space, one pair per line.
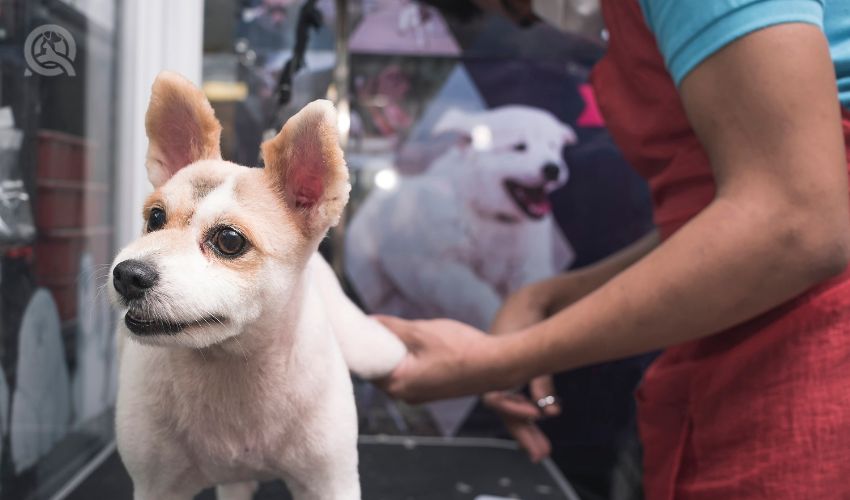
690, 31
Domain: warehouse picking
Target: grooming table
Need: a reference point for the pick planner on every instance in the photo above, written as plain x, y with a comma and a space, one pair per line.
426, 468
404, 468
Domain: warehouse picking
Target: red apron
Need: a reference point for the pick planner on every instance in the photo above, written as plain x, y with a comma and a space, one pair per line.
759, 411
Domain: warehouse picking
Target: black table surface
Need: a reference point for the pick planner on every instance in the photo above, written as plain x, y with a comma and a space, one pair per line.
402, 468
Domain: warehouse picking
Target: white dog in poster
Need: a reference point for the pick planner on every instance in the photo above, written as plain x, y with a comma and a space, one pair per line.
457, 239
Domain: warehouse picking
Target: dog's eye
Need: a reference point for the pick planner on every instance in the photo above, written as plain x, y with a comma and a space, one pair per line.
156, 219
228, 241
520, 146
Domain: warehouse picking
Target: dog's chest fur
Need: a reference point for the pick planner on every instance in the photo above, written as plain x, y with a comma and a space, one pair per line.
513, 249
220, 412
236, 417
231, 409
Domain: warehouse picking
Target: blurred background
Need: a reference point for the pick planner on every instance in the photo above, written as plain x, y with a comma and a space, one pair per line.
427, 92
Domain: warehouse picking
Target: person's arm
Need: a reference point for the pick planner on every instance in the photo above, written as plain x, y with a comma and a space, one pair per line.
766, 110
532, 304
535, 302
778, 225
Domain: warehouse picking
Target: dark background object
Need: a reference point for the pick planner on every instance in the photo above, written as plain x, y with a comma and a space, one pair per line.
401, 468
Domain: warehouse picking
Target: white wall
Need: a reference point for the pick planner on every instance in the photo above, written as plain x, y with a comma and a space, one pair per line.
154, 35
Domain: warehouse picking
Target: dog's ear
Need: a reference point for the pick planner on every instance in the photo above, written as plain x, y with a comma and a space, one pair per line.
305, 163
466, 128
570, 136
181, 127
454, 120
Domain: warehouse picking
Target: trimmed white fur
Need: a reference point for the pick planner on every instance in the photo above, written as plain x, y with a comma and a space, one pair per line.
257, 386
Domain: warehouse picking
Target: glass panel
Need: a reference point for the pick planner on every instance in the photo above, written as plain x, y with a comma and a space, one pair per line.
244, 61
57, 61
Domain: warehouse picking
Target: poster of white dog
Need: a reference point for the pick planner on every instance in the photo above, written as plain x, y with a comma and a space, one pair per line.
457, 239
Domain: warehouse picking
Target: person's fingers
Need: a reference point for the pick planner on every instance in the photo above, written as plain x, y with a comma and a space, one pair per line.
402, 328
539, 447
398, 389
392, 322
511, 405
522, 433
391, 383
542, 387
530, 438
542, 446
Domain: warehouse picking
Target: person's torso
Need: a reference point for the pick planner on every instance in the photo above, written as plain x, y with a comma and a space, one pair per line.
643, 112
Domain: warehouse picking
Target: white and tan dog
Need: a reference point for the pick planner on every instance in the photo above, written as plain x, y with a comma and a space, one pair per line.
240, 336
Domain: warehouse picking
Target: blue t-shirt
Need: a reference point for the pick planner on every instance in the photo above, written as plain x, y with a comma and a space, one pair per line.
688, 31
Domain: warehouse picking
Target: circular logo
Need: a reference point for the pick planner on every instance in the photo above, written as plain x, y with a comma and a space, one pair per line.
50, 50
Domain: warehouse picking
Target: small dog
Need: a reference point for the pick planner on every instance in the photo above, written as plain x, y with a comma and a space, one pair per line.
456, 240
241, 337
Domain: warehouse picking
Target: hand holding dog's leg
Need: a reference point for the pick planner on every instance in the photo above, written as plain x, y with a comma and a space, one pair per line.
236, 491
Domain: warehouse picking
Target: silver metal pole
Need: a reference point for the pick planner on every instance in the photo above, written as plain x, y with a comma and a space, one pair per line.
341, 75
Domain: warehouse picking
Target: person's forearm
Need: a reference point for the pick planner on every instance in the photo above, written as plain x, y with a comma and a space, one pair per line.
730, 263
561, 291
537, 301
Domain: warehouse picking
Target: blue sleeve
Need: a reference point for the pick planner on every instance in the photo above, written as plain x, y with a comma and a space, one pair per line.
689, 31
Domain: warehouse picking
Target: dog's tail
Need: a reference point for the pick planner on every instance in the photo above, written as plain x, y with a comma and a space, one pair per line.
370, 350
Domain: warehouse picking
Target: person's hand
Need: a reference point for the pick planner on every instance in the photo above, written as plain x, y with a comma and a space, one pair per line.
522, 309
521, 414
445, 359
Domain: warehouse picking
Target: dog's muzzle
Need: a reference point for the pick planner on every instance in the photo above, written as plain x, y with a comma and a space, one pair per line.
551, 172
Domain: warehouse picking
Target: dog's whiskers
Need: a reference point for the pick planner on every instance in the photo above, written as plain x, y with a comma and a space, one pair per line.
96, 271
242, 349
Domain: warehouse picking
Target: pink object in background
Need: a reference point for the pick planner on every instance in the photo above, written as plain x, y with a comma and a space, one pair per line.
590, 116
406, 27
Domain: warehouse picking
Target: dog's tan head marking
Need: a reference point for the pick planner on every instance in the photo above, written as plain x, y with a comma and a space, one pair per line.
203, 186
223, 241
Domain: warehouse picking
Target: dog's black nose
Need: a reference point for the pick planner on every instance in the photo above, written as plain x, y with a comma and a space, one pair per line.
132, 278
551, 172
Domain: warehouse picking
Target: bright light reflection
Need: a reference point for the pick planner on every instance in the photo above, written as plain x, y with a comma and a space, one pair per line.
386, 179
482, 138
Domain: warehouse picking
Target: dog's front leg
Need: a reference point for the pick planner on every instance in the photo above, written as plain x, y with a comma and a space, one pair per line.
330, 474
236, 491
152, 492
318, 486
154, 483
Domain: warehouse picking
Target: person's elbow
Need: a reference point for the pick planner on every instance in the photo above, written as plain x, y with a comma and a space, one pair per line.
830, 254
820, 244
